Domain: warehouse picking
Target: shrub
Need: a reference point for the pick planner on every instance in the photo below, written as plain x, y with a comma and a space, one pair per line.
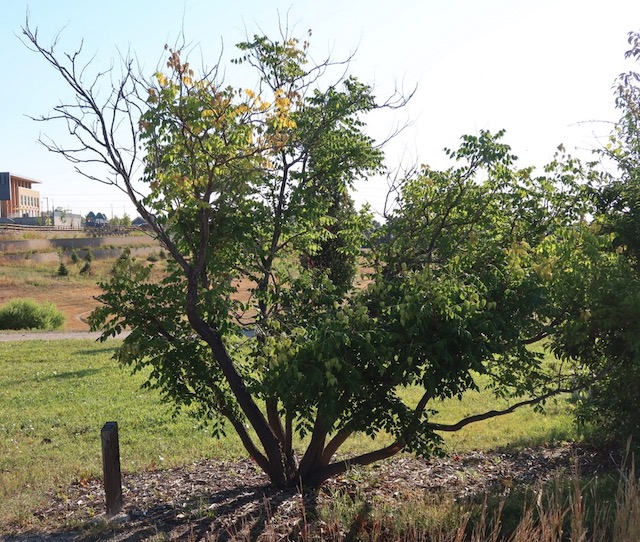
86, 269
88, 257
74, 257
62, 270
610, 412
28, 314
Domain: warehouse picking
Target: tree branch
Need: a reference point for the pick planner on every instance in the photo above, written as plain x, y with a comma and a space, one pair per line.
494, 413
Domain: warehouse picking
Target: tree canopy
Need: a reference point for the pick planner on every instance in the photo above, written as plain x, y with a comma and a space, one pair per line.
612, 407
253, 184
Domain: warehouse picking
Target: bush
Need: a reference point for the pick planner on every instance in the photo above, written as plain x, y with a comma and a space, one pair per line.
88, 257
74, 257
610, 412
86, 269
27, 314
62, 270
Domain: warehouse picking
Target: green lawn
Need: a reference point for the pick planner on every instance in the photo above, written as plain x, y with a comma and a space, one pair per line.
56, 396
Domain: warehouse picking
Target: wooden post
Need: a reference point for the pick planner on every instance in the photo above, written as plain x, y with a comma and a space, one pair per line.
111, 468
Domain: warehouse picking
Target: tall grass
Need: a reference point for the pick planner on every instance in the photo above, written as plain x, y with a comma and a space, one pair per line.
571, 509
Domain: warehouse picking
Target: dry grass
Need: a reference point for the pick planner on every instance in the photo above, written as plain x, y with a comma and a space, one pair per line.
74, 295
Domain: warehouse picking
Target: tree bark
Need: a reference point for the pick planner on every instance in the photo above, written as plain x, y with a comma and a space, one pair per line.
318, 476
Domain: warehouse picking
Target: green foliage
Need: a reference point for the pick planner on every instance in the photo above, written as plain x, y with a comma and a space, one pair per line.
610, 409
117, 221
86, 269
88, 257
52, 417
27, 314
62, 270
475, 264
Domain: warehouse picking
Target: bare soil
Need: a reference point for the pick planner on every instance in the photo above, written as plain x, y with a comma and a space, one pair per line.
76, 300
213, 500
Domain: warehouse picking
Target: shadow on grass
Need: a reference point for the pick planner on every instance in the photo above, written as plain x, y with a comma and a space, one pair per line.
97, 350
553, 436
67, 375
82, 373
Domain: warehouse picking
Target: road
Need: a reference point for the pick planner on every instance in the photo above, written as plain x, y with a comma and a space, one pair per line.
51, 335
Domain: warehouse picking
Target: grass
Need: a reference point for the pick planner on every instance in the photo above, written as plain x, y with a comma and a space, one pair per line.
524, 427
571, 509
55, 399
29, 273
73, 294
53, 403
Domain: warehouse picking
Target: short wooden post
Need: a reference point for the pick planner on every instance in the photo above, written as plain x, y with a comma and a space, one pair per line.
111, 468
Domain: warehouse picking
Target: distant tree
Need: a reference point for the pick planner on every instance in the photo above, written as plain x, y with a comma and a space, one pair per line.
62, 270
474, 265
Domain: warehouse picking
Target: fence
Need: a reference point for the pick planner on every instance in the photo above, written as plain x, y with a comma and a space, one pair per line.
104, 230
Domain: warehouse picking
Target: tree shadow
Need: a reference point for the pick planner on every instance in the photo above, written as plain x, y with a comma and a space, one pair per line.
243, 513
96, 350
82, 373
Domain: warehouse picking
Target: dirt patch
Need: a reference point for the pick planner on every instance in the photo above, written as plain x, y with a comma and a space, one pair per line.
75, 301
213, 500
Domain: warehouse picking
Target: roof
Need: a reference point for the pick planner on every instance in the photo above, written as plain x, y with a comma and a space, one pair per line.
22, 177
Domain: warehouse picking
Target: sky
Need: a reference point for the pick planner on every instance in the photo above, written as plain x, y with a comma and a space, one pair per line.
543, 70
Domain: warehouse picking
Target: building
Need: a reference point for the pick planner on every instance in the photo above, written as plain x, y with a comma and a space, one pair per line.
18, 198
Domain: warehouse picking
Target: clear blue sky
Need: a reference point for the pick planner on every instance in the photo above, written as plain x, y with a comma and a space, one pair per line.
543, 70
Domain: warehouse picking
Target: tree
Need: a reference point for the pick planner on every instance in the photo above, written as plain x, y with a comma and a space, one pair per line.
117, 221
612, 407
476, 263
